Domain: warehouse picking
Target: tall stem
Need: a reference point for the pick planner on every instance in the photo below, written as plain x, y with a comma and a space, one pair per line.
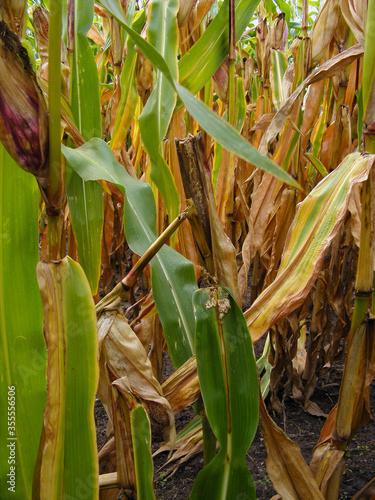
56, 171
231, 105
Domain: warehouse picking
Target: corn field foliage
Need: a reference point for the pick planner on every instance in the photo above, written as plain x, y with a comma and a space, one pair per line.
201, 181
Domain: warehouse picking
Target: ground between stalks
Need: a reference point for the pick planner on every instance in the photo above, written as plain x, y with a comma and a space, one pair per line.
300, 426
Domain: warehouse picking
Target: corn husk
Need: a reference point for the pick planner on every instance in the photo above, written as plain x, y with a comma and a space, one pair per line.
24, 115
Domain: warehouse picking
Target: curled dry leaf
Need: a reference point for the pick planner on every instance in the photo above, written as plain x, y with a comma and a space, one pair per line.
123, 360
355, 14
268, 309
185, 447
263, 123
289, 473
184, 12
182, 387
323, 29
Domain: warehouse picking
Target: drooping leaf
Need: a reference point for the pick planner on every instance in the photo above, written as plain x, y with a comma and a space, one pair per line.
217, 128
326, 70
173, 279
229, 138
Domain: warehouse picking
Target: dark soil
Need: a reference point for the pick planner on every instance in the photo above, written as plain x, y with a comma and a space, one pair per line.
300, 426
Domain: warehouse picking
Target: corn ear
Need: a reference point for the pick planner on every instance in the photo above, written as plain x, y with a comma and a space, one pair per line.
24, 115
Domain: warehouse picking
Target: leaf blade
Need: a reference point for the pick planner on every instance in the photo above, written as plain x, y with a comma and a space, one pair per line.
229, 385
172, 275
156, 115
23, 353
315, 224
85, 199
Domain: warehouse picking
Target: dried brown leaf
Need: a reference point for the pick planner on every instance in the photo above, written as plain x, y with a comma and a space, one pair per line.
288, 471
124, 361
355, 14
182, 388
328, 69
323, 30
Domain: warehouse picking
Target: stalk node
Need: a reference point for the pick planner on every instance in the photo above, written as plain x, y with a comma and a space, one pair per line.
363, 293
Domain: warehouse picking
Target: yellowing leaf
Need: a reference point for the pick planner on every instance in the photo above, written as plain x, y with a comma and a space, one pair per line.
316, 223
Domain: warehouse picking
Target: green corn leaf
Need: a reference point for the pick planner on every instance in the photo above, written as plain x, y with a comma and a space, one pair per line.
23, 355
154, 121
240, 105
85, 199
319, 131
129, 96
229, 138
218, 157
140, 428
316, 223
279, 64
229, 385
317, 164
198, 65
68, 452
216, 127
360, 116
173, 279
128, 102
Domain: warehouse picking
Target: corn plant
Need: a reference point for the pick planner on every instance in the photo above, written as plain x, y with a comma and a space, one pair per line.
254, 121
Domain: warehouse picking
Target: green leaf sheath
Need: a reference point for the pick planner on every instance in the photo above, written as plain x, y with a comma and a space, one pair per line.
69, 454
144, 469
